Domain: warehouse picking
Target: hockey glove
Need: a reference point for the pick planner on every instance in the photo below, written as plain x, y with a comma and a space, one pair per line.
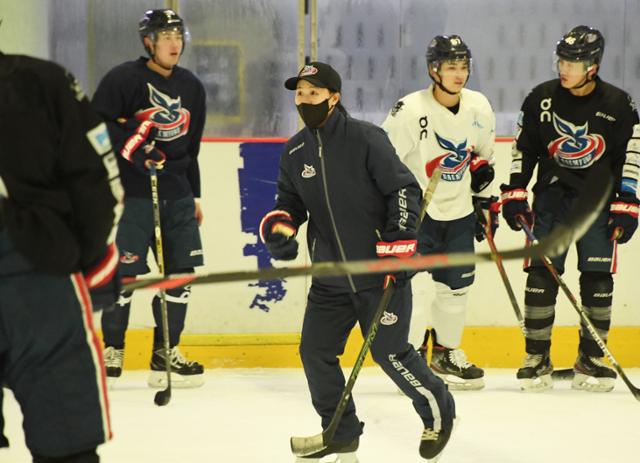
103, 280
399, 244
486, 208
623, 218
139, 148
481, 173
514, 205
277, 232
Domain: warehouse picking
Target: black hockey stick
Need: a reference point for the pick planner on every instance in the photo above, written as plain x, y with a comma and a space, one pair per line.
308, 446
486, 230
583, 315
164, 396
584, 213
564, 374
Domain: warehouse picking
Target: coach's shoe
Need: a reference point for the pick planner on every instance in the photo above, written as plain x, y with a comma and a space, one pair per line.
535, 374
591, 374
344, 452
432, 442
184, 373
113, 359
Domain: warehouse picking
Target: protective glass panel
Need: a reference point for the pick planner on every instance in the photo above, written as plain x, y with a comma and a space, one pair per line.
243, 50
379, 47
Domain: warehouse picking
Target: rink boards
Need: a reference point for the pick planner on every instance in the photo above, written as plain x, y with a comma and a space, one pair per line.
258, 323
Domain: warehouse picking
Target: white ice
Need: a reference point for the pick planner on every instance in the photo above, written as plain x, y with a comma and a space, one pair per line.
249, 415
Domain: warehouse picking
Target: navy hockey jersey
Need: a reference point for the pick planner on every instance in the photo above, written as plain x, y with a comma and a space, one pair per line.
176, 105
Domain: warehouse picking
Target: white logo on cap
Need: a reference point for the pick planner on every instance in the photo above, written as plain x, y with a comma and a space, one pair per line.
308, 70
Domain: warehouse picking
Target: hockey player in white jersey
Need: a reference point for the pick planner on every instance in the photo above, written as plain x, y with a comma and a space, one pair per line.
449, 127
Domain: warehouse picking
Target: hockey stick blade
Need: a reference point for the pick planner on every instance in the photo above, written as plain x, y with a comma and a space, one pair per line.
585, 211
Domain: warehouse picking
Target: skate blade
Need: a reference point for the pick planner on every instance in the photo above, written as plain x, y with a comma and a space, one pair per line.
158, 379
591, 384
334, 458
539, 384
111, 382
458, 384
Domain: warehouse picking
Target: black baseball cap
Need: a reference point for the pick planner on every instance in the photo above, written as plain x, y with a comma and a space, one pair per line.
319, 74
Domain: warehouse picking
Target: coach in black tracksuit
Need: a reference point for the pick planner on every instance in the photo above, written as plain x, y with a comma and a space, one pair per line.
359, 197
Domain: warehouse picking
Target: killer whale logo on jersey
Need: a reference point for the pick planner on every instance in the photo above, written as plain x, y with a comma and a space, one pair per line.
309, 171
168, 115
576, 148
454, 163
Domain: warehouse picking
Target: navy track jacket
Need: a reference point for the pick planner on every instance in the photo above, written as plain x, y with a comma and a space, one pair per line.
348, 180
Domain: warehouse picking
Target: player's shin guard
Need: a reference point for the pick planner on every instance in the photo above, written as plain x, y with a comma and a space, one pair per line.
184, 373
177, 301
539, 314
114, 327
116, 321
591, 374
447, 360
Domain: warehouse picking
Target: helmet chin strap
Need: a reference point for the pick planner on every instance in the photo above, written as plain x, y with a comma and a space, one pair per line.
587, 80
158, 63
445, 89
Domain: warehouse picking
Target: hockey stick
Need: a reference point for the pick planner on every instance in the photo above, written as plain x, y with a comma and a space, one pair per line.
564, 374
307, 446
583, 315
581, 217
486, 231
164, 396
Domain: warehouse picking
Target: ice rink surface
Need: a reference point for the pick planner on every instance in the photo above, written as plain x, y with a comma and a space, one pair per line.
249, 415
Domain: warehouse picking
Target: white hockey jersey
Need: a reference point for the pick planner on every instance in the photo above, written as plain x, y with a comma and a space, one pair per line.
427, 135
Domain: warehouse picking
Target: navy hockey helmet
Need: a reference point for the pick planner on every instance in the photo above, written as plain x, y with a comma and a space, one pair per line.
582, 43
447, 48
154, 21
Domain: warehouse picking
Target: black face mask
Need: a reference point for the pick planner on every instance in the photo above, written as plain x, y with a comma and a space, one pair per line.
313, 114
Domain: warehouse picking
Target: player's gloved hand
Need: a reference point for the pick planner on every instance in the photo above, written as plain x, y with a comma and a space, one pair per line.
103, 280
515, 205
139, 148
277, 232
623, 217
147, 154
482, 173
399, 244
486, 208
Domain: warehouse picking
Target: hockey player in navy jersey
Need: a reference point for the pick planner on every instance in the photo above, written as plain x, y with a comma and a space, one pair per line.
567, 126
155, 111
449, 127
60, 199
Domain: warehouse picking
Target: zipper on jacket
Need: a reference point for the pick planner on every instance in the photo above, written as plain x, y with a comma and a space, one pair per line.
333, 220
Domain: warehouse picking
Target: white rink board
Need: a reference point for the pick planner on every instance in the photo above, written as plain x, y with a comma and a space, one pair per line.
224, 308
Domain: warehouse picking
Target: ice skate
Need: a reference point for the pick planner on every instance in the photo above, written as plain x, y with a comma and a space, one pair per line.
113, 359
432, 443
184, 373
591, 374
535, 374
337, 452
452, 366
